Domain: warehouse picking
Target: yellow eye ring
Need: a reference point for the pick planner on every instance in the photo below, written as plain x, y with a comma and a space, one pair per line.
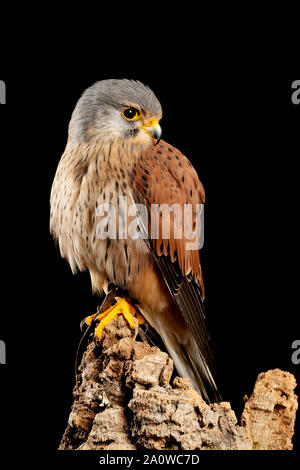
131, 114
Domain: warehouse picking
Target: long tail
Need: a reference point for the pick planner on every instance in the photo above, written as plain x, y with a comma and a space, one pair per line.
190, 363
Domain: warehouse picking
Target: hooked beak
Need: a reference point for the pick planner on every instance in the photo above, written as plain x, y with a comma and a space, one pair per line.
153, 129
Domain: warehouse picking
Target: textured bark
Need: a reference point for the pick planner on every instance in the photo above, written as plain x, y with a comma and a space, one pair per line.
123, 400
270, 413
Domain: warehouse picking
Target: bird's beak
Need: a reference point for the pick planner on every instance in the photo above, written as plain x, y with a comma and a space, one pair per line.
153, 129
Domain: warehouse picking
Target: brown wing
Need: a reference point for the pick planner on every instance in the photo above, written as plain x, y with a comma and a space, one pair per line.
163, 175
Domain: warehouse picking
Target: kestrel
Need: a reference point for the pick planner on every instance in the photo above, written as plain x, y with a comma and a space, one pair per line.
114, 151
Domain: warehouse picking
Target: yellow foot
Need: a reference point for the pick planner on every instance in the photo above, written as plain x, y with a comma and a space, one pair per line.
121, 307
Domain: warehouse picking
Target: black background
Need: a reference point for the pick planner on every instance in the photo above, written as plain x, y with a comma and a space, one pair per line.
241, 133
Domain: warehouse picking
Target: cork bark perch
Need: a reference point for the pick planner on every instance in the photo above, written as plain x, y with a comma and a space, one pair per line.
123, 400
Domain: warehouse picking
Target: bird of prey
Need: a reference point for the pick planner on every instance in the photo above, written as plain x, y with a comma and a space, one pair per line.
114, 150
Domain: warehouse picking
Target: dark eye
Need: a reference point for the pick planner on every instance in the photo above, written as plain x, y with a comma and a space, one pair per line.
131, 114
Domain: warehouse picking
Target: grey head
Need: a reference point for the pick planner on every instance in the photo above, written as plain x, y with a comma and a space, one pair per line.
117, 109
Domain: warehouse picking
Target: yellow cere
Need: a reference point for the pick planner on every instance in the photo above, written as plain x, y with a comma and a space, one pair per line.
151, 123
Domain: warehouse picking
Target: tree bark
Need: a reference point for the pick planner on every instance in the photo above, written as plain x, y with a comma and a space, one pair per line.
123, 400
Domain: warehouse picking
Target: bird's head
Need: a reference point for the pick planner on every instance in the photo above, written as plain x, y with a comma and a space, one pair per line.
116, 110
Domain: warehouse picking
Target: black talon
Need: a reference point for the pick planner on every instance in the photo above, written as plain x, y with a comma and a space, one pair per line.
107, 302
113, 292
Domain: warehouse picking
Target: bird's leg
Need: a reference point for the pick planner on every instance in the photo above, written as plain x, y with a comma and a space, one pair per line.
121, 307
107, 302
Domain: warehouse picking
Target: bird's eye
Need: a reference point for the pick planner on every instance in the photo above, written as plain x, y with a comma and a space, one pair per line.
131, 114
